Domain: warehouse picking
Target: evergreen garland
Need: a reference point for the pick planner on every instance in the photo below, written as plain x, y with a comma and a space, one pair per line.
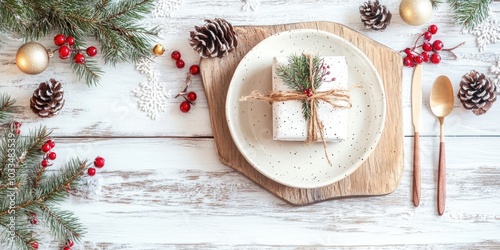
111, 23
468, 13
296, 76
26, 188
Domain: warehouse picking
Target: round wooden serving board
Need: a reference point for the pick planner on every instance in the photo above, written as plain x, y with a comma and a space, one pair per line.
380, 174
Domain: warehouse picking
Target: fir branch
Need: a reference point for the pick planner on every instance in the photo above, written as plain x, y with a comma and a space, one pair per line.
89, 71
436, 3
21, 238
64, 225
470, 13
6, 107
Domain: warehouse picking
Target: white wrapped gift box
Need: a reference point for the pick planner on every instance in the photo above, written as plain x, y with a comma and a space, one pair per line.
288, 120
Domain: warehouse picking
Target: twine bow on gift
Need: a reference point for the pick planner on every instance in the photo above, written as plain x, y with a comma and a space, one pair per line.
337, 98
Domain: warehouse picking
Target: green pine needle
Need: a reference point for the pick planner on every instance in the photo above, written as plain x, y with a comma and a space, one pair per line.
470, 13
436, 3
113, 24
35, 189
6, 107
295, 75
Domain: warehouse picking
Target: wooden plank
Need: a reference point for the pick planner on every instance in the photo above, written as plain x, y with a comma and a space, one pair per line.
378, 175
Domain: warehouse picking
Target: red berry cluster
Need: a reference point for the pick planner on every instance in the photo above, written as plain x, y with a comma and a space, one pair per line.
49, 154
68, 245
189, 97
98, 163
66, 47
428, 51
32, 218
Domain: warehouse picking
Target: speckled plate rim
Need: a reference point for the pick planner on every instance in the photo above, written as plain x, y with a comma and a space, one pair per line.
237, 133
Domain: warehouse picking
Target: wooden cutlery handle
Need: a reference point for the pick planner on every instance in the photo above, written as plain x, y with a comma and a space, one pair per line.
441, 196
416, 170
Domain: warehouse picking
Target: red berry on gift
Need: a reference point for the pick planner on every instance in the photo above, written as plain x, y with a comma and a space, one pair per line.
176, 55
34, 244
59, 40
64, 52
79, 58
437, 45
70, 40
435, 58
91, 171
99, 162
44, 163
191, 96
433, 29
91, 51
194, 69
46, 147
427, 35
179, 63
70, 243
427, 46
52, 155
185, 106
408, 62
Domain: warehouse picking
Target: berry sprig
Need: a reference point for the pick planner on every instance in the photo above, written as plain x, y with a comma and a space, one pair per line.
17, 127
429, 51
68, 245
66, 48
189, 97
47, 148
98, 163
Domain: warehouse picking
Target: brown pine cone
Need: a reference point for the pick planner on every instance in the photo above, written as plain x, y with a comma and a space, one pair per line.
477, 92
214, 39
48, 99
374, 15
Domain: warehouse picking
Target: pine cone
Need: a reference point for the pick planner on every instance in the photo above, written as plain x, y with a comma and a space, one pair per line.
214, 39
477, 92
48, 99
374, 15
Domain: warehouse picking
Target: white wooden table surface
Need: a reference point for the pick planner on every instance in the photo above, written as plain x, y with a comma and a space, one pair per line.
163, 186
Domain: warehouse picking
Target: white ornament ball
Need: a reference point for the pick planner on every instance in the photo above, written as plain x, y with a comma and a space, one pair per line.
415, 12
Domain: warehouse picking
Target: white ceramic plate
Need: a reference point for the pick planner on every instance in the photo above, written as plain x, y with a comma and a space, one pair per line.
297, 164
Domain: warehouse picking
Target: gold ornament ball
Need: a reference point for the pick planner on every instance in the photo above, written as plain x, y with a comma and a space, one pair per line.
158, 50
415, 12
32, 58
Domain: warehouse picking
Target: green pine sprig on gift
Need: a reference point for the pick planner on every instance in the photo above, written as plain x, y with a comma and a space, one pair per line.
468, 13
113, 24
296, 76
27, 189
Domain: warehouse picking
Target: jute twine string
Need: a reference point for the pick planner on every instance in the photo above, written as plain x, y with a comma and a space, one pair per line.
337, 98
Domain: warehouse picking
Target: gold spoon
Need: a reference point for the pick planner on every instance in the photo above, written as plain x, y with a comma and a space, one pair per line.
441, 102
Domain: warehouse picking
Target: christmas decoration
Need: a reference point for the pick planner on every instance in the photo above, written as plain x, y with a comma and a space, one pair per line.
214, 39
165, 8
477, 92
487, 32
32, 194
113, 24
375, 16
67, 46
152, 94
99, 162
158, 50
428, 51
48, 99
189, 98
304, 76
176, 55
194, 69
415, 12
469, 14
32, 58
250, 5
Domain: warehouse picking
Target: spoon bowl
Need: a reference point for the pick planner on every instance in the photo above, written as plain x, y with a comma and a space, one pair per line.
441, 103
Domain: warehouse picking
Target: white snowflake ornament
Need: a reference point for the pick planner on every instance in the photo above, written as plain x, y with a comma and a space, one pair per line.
145, 65
495, 69
487, 32
152, 96
165, 8
89, 187
250, 5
